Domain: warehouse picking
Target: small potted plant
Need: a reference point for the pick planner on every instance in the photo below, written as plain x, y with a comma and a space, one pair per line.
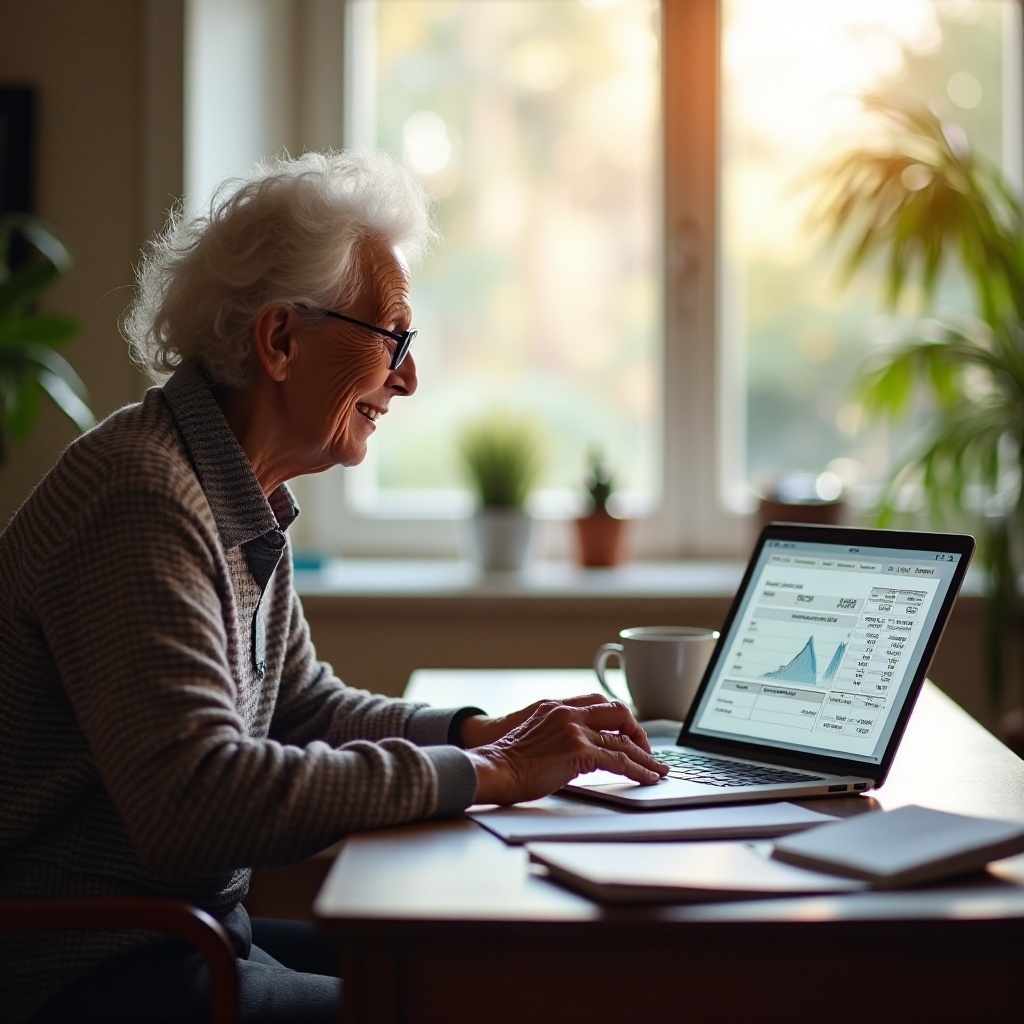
600, 535
501, 458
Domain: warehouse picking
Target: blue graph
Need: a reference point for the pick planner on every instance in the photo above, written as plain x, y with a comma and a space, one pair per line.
804, 667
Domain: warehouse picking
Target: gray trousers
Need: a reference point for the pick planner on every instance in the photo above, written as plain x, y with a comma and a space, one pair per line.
286, 970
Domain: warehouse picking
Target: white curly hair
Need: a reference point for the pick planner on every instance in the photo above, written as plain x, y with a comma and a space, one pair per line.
287, 234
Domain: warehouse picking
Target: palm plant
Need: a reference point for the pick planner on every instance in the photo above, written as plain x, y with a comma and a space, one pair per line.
29, 364
921, 201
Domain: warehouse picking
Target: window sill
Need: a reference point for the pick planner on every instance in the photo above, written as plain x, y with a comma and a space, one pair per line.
386, 578
381, 578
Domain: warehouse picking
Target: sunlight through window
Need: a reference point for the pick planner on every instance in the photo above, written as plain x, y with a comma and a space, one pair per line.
793, 75
535, 125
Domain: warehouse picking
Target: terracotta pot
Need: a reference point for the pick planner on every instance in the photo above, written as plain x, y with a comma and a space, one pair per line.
828, 513
601, 539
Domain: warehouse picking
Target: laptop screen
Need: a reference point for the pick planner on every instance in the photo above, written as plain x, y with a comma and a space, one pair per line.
824, 644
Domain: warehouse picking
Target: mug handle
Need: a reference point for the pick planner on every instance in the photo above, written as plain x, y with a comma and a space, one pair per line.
600, 660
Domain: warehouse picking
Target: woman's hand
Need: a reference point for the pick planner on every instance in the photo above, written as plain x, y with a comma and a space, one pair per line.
480, 729
546, 745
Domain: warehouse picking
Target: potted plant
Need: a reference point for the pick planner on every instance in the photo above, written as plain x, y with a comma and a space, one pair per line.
31, 259
600, 535
919, 201
501, 458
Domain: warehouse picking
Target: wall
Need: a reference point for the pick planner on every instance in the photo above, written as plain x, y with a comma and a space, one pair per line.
108, 162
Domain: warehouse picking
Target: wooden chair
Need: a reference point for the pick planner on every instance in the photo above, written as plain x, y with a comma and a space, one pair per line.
179, 919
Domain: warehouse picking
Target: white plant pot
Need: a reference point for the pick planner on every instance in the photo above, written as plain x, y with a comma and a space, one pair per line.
502, 538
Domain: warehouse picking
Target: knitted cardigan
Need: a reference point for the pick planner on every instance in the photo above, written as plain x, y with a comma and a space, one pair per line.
165, 725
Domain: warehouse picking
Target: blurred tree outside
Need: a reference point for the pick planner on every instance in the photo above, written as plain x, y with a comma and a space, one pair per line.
535, 125
801, 334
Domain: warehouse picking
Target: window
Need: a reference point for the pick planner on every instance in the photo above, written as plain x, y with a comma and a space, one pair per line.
622, 186
535, 127
799, 336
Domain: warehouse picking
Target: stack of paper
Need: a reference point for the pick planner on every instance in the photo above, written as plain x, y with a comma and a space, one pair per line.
556, 818
875, 850
677, 872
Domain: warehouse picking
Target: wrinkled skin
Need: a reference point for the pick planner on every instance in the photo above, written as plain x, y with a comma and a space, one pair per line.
535, 751
320, 383
320, 387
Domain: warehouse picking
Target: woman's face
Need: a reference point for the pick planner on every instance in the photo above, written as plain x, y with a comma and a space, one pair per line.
343, 383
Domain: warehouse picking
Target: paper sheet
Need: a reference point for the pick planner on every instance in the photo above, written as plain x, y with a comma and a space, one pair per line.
559, 818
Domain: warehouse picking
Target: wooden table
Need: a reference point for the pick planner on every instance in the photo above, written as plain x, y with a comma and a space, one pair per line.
441, 921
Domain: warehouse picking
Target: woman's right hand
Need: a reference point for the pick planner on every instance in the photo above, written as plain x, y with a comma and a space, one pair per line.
560, 740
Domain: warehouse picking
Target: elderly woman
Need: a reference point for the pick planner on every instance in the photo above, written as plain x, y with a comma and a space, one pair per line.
167, 725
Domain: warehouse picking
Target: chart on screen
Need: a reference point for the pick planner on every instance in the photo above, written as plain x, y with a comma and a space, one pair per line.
821, 650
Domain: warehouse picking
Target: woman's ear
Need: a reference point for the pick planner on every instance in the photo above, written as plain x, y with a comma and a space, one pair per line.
273, 337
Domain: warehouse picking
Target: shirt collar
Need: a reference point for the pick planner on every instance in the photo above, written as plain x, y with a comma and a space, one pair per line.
240, 508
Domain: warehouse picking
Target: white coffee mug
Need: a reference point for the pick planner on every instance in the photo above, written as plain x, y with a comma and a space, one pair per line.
663, 666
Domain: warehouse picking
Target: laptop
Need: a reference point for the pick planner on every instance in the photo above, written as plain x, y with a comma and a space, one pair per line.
819, 664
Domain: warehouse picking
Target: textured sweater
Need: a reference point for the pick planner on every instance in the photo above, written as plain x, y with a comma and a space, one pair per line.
164, 723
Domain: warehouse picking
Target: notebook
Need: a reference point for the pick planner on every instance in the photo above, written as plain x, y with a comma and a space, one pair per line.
907, 846
821, 658
680, 872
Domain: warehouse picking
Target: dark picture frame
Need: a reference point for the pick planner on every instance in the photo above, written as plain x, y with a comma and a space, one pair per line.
17, 114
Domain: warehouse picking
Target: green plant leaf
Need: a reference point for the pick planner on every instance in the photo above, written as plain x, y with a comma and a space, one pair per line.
42, 360
996, 552
45, 329
23, 286
922, 200
28, 363
20, 406
39, 235
66, 399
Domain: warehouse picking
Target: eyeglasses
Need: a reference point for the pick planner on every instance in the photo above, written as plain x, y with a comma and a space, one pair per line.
402, 339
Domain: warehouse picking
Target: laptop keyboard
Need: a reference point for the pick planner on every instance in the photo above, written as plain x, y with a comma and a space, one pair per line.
713, 771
